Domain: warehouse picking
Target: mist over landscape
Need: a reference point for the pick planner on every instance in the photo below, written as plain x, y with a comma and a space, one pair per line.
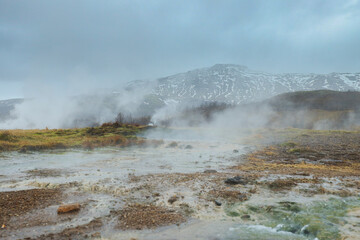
75, 54
178, 120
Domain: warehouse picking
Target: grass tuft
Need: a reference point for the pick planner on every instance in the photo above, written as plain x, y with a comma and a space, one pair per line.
87, 138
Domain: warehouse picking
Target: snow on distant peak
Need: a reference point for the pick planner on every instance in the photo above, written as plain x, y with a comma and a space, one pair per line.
233, 83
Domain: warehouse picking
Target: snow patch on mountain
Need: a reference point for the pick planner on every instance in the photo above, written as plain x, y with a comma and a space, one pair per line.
237, 84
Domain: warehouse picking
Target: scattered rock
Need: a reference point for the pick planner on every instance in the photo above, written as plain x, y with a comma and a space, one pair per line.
210, 171
236, 180
172, 145
68, 208
217, 203
173, 199
246, 216
189, 147
235, 151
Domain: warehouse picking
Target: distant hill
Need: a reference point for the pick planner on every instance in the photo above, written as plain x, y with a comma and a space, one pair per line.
320, 100
236, 84
321, 109
222, 83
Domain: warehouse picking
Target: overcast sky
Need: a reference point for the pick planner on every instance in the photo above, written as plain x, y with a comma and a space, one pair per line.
66, 44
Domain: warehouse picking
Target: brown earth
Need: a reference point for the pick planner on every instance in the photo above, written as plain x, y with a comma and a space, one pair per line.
299, 158
79, 232
139, 216
17, 203
316, 153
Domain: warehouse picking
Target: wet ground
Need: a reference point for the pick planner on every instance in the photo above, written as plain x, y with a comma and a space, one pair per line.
181, 189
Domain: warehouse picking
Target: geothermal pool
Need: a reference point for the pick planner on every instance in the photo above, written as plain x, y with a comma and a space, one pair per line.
104, 180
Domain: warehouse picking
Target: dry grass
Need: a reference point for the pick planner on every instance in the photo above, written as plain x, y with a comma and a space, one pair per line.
282, 184
307, 152
89, 138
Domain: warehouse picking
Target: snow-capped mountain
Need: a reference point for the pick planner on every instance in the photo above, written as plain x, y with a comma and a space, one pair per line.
237, 84
227, 83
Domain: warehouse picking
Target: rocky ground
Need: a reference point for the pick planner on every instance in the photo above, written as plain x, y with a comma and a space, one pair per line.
309, 178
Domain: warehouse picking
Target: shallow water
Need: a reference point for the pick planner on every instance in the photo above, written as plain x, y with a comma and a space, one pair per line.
211, 230
93, 166
104, 173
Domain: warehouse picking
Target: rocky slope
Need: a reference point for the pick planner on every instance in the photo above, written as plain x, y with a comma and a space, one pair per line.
237, 84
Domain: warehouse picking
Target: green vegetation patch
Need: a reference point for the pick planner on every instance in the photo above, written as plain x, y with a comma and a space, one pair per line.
109, 134
320, 219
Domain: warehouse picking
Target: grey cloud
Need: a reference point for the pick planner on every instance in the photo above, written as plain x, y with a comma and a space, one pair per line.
111, 42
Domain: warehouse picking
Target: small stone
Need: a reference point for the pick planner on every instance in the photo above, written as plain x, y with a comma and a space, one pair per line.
235, 151
68, 208
246, 216
210, 171
173, 199
189, 147
217, 203
236, 180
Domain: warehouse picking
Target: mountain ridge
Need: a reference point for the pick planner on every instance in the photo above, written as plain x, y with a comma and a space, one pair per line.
236, 84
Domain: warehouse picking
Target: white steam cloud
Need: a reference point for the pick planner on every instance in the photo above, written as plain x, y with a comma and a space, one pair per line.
54, 109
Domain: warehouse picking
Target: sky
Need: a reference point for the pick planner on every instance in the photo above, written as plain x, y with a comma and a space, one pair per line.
72, 46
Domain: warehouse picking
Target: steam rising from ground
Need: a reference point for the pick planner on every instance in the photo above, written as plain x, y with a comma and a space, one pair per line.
312, 110
264, 114
54, 110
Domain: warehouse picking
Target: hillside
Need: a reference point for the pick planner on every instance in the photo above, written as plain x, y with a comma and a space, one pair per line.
222, 83
320, 109
235, 84
320, 100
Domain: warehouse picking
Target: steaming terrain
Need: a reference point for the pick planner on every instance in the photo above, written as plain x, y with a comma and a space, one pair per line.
187, 183
125, 120
223, 83
282, 168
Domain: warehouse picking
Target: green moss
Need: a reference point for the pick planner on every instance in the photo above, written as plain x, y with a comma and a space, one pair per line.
319, 219
288, 144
